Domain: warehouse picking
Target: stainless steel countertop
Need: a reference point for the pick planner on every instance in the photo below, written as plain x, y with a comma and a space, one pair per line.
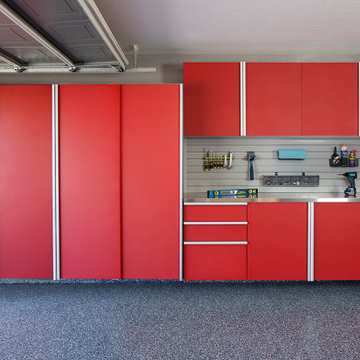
273, 197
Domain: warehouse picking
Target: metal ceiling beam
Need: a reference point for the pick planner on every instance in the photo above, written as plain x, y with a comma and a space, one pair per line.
35, 34
83, 69
93, 13
10, 61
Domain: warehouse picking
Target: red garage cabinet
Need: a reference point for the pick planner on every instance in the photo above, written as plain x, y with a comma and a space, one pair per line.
273, 99
89, 126
215, 242
25, 182
330, 99
150, 181
337, 243
277, 241
211, 99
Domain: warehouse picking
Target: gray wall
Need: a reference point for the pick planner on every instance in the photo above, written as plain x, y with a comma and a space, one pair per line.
318, 151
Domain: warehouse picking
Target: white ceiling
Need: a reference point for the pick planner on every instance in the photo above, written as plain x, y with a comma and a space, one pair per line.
235, 26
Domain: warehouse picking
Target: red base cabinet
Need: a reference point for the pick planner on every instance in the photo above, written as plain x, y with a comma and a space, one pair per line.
89, 127
150, 161
25, 181
337, 243
206, 255
277, 241
215, 262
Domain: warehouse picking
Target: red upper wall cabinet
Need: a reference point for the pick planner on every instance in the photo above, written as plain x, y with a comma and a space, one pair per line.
25, 182
277, 237
282, 99
89, 126
337, 246
330, 99
211, 99
273, 99
150, 160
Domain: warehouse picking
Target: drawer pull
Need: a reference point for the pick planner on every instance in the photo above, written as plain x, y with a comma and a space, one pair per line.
215, 243
215, 204
215, 223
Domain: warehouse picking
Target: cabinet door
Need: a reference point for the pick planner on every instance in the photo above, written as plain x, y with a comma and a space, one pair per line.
89, 125
25, 182
337, 243
273, 99
277, 241
330, 99
211, 99
215, 262
150, 139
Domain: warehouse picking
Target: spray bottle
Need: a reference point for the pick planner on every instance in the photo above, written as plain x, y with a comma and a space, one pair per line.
344, 154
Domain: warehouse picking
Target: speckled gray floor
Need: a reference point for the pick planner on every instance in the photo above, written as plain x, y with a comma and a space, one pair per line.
142, 320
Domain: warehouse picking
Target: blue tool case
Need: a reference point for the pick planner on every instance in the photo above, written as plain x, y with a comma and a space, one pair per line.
292, 154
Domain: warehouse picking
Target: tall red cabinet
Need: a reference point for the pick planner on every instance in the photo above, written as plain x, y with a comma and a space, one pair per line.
150, 181
89, 130
25, 181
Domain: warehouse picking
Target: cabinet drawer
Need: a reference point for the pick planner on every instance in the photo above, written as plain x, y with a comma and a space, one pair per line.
215, 262
215, 213
215, 232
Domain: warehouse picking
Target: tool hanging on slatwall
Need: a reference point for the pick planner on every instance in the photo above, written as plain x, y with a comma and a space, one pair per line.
213, 160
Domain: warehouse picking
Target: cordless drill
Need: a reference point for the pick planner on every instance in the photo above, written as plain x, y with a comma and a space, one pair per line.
350, 190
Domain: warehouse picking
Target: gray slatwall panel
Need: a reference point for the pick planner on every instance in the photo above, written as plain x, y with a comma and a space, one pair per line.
318, 151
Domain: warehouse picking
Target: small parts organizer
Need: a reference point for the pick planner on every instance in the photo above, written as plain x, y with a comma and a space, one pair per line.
213, 160
291, 180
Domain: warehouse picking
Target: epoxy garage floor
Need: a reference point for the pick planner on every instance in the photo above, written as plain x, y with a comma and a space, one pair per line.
172, 320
